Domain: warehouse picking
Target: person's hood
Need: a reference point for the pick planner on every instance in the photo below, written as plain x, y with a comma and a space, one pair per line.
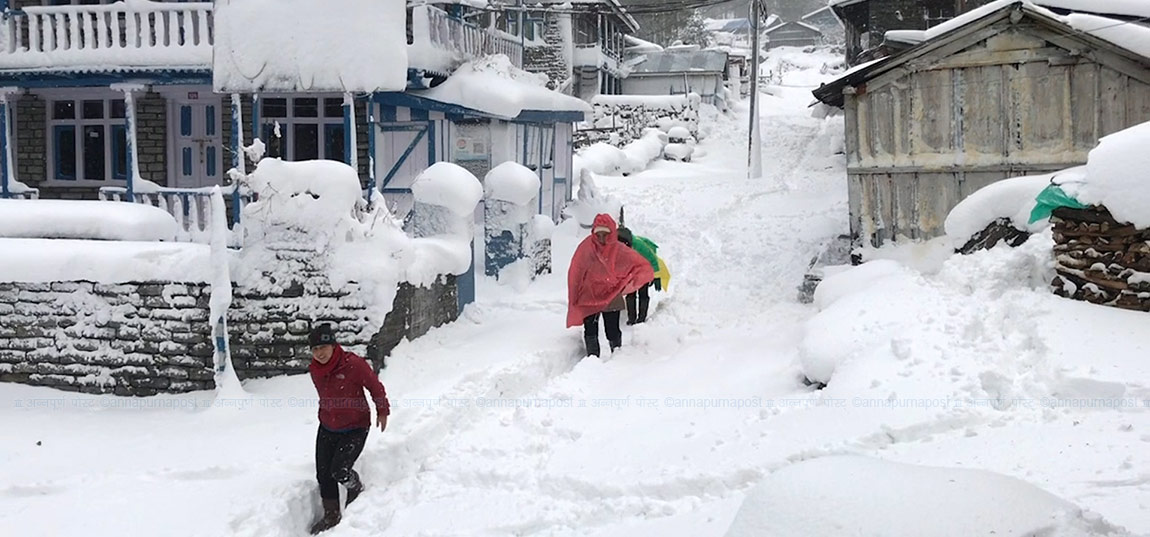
605, 220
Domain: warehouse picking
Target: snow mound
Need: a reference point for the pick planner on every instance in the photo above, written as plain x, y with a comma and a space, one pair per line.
316, 195
99, 220
494, 85
863, 497
680, 152
1116, 176
1012, 198
511, 182
679, 133
448, 185
63, 260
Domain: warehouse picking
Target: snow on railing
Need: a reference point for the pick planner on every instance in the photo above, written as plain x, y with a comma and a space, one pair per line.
132, 33
441, 42
191, 207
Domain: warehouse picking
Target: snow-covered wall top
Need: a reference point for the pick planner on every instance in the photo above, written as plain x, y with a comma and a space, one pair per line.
109, 262
495, 86
304, 45
71, 219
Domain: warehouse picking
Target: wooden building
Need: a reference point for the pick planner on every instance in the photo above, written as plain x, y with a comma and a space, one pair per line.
1013, 92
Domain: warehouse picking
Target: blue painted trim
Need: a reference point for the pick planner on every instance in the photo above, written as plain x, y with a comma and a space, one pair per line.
57, 132
348, 120
393, 127
256, 131
210, 161
431, 157
237, 154
210, 120
408, 100
387, 113
370, 149
398, 190
4, 141
549, 116
185, 120
35, 80
419, 114
186, 161
465, 283
402, 158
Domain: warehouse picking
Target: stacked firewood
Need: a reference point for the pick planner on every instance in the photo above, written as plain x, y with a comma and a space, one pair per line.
1100, 260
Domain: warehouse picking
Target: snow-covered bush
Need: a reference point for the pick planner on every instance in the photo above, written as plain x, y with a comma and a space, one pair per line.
681, 146
604, 159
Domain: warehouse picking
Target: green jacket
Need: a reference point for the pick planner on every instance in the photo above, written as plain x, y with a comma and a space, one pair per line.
646, 248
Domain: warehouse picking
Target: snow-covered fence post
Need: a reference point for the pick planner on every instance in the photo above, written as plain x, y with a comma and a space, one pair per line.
239, 164
510, 194
446, 199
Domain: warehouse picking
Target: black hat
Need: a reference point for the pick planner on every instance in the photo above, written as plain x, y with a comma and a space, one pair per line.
321, 334
624, 235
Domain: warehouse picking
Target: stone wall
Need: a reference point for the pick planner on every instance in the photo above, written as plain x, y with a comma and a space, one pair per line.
126, 339
152, 137
548, 58
1100, 260
621, 121
31, 140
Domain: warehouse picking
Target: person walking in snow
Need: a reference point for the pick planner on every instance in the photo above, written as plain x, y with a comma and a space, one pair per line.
344, 419
640, 300
602, 271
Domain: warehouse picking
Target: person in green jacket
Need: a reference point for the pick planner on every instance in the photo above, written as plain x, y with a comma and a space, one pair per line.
638, 302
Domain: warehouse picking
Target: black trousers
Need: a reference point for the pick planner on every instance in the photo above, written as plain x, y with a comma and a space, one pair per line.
335, 454
610, 325
637, 313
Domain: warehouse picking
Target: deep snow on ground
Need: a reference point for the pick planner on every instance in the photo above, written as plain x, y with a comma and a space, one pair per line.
499, 427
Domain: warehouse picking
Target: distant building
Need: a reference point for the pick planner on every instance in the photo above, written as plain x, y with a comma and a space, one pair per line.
825, 20
678, 72
792, 34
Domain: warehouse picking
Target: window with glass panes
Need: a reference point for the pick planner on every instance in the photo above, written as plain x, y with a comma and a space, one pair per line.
309, 128
88, 139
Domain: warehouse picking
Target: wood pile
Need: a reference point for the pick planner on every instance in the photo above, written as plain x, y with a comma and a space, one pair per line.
1100, 260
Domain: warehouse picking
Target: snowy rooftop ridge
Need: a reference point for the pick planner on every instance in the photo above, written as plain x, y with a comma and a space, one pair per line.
494, 86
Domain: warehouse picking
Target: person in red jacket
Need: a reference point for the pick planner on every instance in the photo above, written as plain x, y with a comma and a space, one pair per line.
344, 419
603, 271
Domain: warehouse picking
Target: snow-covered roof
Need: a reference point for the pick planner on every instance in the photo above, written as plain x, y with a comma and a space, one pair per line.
727, 25
494, 86
796, 23
639, 46
1129, 8
1132, 38
826, 9
303, 45
701, 61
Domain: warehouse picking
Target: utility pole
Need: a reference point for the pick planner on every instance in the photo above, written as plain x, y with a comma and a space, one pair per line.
755, 144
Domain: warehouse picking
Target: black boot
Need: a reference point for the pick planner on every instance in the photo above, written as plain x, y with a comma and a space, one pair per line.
330, 516
591, 334
354, 487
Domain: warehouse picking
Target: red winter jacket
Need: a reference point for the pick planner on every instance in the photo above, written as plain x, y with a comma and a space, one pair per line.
601, 273
340, 383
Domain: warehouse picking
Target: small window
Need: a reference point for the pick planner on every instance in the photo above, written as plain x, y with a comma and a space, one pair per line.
333, 143
118, 109
94, 109
333, 108
306, 107
276, 107
306, 145
64, 110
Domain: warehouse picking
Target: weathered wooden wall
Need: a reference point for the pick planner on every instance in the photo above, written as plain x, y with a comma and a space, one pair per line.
922, 138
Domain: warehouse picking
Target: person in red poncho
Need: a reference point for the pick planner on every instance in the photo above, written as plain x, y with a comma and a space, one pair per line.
602, 272
344, 419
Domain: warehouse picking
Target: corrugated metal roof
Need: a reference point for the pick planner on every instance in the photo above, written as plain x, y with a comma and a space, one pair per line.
712, 61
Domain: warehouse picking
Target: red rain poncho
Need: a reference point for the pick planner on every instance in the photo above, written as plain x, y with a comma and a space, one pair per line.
601, 272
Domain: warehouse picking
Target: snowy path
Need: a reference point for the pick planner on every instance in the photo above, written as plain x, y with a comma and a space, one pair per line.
500, 427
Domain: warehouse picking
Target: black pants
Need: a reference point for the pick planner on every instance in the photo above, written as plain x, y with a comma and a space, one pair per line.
610, 325
335, 454
637, 313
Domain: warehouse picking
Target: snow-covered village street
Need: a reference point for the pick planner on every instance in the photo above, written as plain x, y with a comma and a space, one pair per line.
700, 425
221, 222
